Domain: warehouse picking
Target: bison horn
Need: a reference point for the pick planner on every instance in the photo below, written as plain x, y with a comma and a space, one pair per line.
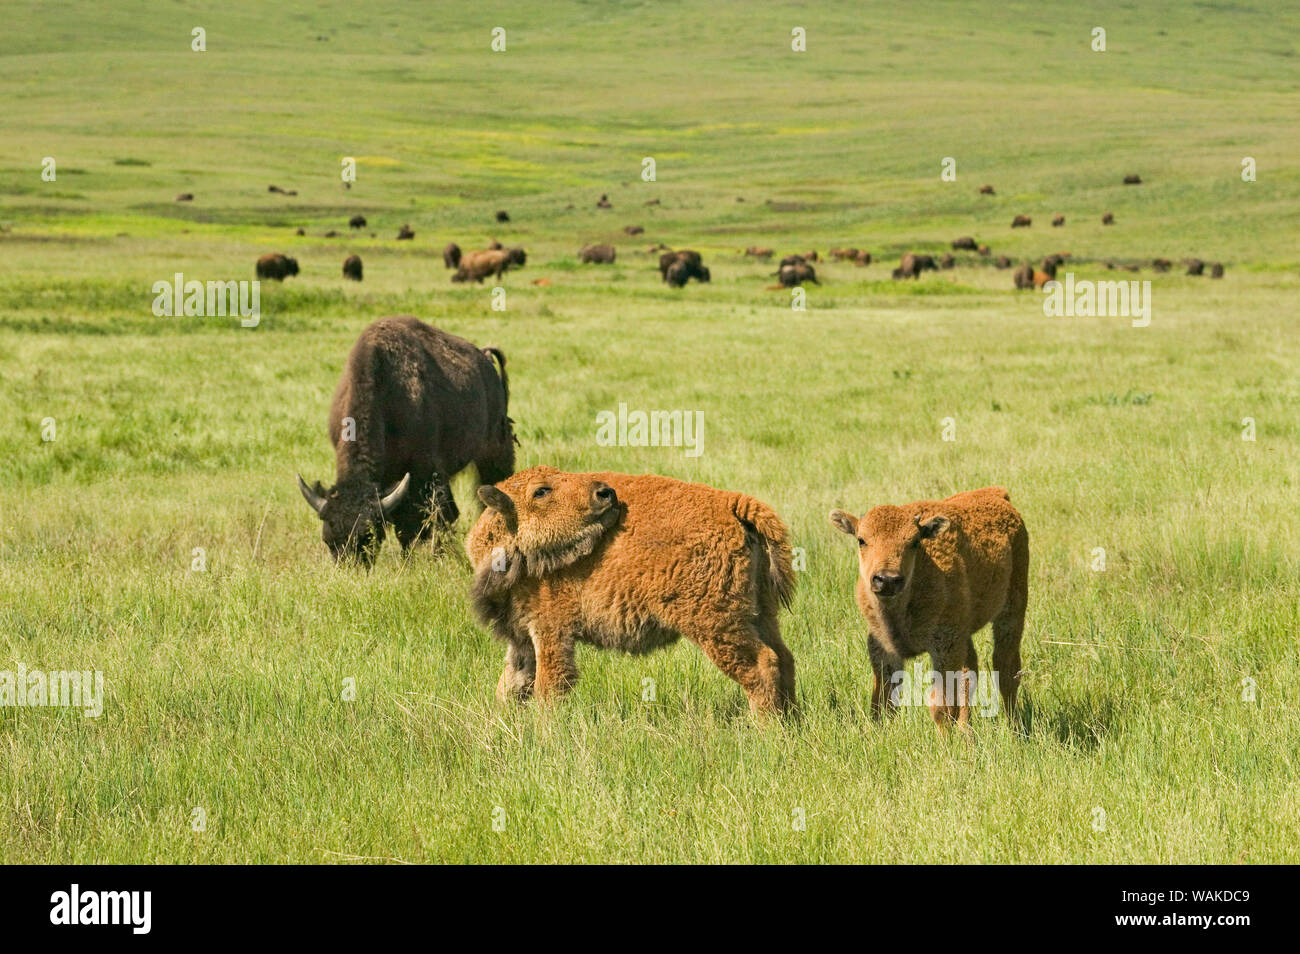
310, 495
394, 497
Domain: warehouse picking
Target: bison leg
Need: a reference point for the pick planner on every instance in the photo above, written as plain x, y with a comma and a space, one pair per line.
883, 667
430, 506
950, 697
1009, 627
770, 632
556, 669
740, 652
517, 678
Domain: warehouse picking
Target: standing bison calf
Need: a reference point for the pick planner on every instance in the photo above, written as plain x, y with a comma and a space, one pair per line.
930, 575
631, 563
415, 406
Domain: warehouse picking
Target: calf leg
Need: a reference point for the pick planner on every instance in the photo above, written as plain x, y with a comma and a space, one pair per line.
556, 668
518, 677
957, 668
1008, 628
883, 666
739, 651
769, 631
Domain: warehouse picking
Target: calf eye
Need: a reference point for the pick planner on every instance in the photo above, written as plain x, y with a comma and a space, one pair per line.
541, 492
861, 542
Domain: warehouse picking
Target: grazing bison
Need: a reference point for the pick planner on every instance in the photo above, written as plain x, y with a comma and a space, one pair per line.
1024, 277
678, 274
352, 267
1002, 261
331, 234
791, 260
597, 254
633, 229
1132, 179
300, 231
1108, 218
1021, 222
357, 222
862, 258
1058, 220
1216, 270
812, 256
912, 265
762, 254
604, 202
964, 242
185, 197
517, 257
476, 266
930, 575
1161, 264
692, 267
843, 254
986, 190
1195, 266
276, 266
451, 256
797, 274
631, 563
405, 233
415, 406
946, 261
502, 215
985, 251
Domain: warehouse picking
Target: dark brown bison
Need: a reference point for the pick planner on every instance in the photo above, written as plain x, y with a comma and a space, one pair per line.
517, 256
1024, 277
1021, 222
415, 407
604, 202
1055, 259
797, 274
1195, 266
1108, 218
405, 233
693, 267
352, 267
862, 258
1002, 261
503, 215
597, 254
276, 266
791, 260
1132, 179
913, 264
947, 261
986, 190
185, 197
1058, 221
331, 234
677, 274
451, 256
1161, 264
1216, 270
843, 254
357, 222
300, 231
633, 229
964, 242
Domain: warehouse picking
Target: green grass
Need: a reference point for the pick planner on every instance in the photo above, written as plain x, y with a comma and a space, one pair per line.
225, 687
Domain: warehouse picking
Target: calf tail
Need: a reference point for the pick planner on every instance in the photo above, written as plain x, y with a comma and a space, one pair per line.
776, 542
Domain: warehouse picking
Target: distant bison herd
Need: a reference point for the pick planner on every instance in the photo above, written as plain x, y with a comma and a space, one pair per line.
635, 563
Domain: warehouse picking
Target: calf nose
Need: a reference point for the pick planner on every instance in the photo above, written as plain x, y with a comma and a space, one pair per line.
886, 584
603, 496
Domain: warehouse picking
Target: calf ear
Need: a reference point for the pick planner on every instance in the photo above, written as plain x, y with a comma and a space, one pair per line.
932, 527
845, 522
497, 500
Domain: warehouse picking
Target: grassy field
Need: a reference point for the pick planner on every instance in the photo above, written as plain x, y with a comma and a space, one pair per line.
224, 686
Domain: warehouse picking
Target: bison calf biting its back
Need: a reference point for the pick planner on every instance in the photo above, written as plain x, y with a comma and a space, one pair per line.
352, 267
930, 575
276, 266
631, 563
415, 406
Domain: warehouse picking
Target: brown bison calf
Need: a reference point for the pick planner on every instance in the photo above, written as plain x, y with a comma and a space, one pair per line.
1058, 221
597, 254
352, 267
631, 563
276, 266
930, 575
761, 253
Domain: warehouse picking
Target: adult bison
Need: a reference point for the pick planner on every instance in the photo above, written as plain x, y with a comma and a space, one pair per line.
476, 266
276, 266
597, 254
357, 222
692, 266
352, 267
415, 406
796, 274
451, 256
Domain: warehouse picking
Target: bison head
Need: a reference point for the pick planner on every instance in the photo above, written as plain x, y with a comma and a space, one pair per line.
352, 516
888, 544
290, 265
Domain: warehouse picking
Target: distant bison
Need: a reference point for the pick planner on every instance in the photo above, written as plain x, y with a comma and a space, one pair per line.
357, 222
1108, 218
947, 261
414, 407
930, 575
1024, 277
796, 274
985, 251
604, 202
405, 233
1161, 264
1195, 267
965, 242
276, 266
476, 266
1216, 270
185, 197
1058, 221
597, 254
1002, 261
1021, 222
451, 255
692, 266
843, 254
502, 215
761, 253
633, 563
352, 267
1132, 179
913, 264
633, 229
986, 190
862, 258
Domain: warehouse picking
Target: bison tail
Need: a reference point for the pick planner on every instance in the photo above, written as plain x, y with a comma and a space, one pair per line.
776, 542
500, 356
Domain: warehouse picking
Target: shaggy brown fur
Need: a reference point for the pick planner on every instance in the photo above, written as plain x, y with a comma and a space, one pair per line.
604, 202
692, 267
597, 254
425, 404
185, 197
451, 256
862, 258
933, 573
632, 563
913, 264
352, 267
1021, 221
843, 254
276, 266
357, 222
964, 242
